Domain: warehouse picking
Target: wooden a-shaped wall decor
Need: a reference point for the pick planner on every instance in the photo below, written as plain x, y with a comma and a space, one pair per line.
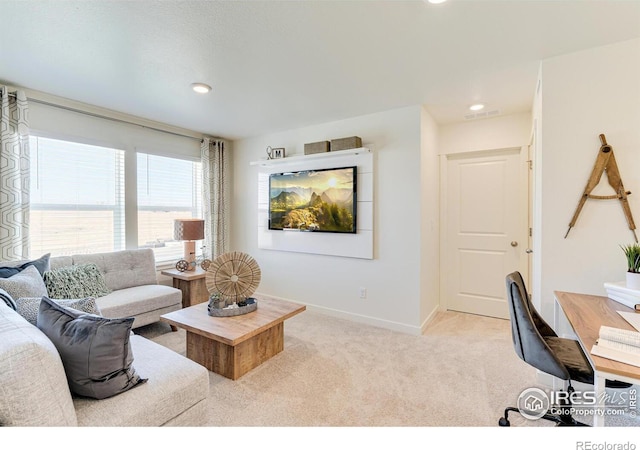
606, 161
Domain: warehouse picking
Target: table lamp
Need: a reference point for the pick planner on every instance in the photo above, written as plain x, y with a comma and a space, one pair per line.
189, 231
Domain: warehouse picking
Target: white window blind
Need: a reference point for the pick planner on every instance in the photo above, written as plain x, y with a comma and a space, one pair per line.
168, 189
77, 198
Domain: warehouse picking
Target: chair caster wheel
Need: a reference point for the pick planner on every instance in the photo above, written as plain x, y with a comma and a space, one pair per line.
504, 422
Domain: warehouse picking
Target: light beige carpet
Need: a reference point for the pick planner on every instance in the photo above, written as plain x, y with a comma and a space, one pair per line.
339, 373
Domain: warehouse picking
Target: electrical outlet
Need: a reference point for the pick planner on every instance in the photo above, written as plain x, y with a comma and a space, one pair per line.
363, 292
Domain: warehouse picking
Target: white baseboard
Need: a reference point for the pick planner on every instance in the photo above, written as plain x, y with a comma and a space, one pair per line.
368, 320
429, 319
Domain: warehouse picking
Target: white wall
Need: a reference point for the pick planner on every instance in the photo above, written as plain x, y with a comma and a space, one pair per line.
485, 134
535, 283
430, 235
393, 277
58, 123
585, 94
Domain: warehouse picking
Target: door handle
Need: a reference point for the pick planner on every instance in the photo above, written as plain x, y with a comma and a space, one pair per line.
528, 250
514, 244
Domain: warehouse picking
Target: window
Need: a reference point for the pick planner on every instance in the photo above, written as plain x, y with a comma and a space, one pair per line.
77, 198
168, 189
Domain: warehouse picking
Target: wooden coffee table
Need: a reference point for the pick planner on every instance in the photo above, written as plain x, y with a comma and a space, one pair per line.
232, 346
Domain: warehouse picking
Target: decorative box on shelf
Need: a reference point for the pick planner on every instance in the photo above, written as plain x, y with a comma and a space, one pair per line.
346, 143
619, 292
316, 147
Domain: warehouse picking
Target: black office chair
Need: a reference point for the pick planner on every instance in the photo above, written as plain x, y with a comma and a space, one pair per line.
539, 346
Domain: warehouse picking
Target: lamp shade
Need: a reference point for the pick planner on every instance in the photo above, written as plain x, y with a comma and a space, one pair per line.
188, 229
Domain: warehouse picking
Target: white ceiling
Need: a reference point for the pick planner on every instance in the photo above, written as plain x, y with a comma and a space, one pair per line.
278, 65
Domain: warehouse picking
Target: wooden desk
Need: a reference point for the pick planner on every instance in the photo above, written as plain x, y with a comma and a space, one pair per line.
586, 314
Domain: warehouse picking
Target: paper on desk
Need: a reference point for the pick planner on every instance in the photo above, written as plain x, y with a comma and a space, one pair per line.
616, 355
631, 317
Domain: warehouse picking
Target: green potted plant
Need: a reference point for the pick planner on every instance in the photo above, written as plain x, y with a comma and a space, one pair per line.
632, 253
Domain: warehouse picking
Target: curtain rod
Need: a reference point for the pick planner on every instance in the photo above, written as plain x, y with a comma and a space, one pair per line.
100, 116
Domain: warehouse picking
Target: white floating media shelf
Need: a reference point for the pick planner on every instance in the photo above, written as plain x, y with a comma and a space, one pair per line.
350, 245
297, 158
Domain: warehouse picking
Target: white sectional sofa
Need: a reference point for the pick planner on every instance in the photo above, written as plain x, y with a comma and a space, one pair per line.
33, 383
131, 276
34, 389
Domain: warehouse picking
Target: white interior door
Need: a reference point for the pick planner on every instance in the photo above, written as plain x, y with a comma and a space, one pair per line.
486, 203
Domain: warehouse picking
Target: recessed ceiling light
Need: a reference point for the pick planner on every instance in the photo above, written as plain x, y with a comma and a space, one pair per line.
435, 2
476, 107
201, 88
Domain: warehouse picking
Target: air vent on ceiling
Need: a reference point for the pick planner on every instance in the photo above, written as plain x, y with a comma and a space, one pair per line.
482, 115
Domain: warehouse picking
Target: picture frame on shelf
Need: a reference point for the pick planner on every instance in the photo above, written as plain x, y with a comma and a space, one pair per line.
275, 153
278, 153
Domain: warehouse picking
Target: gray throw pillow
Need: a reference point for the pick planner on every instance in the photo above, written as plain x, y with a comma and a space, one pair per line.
7, 299
28, 307
27, 283
42, 264
80, 281
95, 351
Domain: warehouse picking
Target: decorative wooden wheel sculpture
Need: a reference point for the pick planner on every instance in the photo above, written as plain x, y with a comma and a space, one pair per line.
182, 265
235, 275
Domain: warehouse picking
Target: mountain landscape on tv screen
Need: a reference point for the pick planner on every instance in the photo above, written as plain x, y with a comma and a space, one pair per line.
312, 208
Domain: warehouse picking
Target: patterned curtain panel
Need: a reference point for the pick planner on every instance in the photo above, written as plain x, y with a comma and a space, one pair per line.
216, 193
14, 176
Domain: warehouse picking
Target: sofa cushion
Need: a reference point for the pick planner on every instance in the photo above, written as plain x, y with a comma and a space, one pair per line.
175, 384
57, 262
125, 268
27, 283
33, 385
84, 280
137, 300
28, 307
95, 351
12, 268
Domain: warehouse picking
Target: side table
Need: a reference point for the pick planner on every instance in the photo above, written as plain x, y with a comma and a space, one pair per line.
191, 283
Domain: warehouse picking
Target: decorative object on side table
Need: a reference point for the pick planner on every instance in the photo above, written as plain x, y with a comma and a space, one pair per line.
231, 280
182, 265
189, 231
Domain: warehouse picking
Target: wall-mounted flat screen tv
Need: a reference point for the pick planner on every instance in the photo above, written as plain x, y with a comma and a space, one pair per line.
314, 200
